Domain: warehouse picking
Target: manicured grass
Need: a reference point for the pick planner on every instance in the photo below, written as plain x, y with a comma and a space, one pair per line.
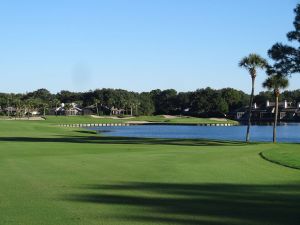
80, 119
183, 119
200, 120
289, 157
63, 176
158, 119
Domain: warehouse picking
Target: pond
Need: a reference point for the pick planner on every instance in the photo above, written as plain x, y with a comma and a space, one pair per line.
285, 132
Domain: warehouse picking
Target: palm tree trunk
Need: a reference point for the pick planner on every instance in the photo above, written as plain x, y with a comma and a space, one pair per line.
250, 111
275, 120
97, 109
55, 109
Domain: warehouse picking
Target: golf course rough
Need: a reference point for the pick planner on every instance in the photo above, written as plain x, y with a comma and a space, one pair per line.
69, 176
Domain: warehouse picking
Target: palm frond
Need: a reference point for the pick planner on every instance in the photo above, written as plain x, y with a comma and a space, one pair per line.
253, 61
276, 81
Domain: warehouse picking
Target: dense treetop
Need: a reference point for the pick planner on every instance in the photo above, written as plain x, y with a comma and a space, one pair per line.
199, 102
287, 57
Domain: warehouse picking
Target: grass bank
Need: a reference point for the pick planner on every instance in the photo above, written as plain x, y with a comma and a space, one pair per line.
157, 119
289, 157
61, 176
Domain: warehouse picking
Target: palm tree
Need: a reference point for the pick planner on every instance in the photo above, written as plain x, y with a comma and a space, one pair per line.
67, 107
252, 63
44, 106
55, 103
29, 104
96, 103
275, 82
18, 108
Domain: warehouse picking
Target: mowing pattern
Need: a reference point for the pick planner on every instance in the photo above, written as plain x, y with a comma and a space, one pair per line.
68, 176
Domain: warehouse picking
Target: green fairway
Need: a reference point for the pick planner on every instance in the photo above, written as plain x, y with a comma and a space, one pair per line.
289, 157
158, 119
187, 120
80, 119
59, 176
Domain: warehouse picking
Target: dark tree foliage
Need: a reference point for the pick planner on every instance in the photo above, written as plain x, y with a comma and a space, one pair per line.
234, 98
287, 57
290, 96
68, 96
207, 100
165, 101
42, 94
202, 102
145, 105
263, 97
183, 101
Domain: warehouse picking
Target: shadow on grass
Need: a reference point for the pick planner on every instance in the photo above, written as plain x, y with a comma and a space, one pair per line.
197, 204
86, 131
122, 140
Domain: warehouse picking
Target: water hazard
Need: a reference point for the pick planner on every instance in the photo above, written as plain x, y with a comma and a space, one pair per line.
285, 132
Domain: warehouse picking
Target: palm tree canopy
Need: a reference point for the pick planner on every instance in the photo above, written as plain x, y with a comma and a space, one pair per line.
252, 62
276, 82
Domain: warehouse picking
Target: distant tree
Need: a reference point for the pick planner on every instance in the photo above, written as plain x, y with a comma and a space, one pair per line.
96, 102
145, 104
55, 103
155, 96
29, 105
183, 101
44, 106
164, 101
287, 58
201, 101
18, 105
234, 98
263, 97
252, 63
292, 96
67, 107
275, 82
220, 105
69, 97
42, 94
108, 97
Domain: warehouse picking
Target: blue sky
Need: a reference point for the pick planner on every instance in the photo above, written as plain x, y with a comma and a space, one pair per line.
136, 45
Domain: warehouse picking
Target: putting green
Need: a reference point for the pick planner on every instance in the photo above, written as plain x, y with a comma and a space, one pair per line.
59, 176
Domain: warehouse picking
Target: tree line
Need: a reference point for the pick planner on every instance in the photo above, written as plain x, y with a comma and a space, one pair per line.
202, 102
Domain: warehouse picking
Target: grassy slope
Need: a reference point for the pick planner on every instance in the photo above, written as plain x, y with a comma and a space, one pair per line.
285, 156
80, 119
160, 119
59, 176
179, 120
